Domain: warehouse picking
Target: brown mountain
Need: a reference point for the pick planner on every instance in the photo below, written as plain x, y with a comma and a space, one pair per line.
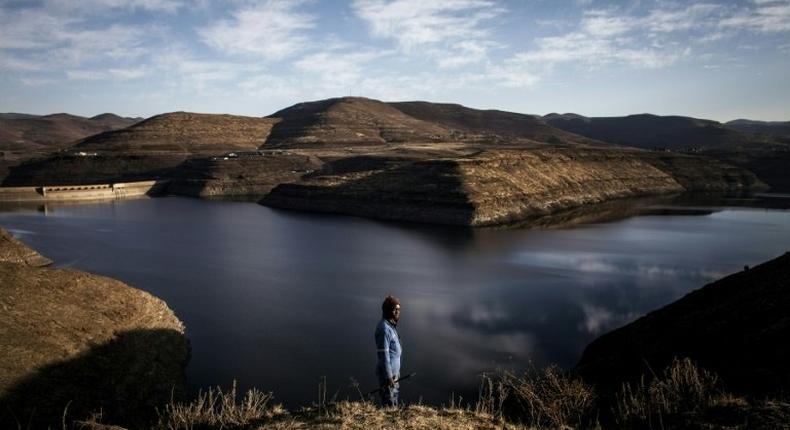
737, 327
183, 133
657, 132
349, 121
23, 132
342, 154
779, 129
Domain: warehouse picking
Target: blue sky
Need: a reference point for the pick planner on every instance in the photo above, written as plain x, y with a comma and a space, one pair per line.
708, 59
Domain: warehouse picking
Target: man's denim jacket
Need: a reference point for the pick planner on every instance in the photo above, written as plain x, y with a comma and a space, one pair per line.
388, 350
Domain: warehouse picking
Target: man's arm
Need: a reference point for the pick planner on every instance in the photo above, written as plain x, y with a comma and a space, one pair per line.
383, 352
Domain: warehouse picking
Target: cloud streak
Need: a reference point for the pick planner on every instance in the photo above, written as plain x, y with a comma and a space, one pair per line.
272, 30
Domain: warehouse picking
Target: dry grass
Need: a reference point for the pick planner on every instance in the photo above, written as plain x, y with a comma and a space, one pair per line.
550, 398
682, 396
682, 390
217, 409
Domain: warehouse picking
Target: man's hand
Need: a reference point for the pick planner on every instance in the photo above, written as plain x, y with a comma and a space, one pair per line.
391, 382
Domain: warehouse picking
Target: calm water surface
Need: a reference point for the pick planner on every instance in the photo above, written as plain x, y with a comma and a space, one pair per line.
278, 299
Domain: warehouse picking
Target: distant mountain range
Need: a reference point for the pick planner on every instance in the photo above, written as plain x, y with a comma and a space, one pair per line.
360, 125
660, 132
771, 128
24, 132
351, 121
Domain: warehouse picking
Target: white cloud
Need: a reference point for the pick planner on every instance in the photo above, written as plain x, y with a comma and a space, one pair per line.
463, 53
100, 5
512, 75
596, 319
694, 16
37, 82
335, 69
656, 39
604, 24
46, 39
416, 23
767, 17
111, 74
272, 30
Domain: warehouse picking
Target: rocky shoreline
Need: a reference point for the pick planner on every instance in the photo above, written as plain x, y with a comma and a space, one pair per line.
75, 343
501, 186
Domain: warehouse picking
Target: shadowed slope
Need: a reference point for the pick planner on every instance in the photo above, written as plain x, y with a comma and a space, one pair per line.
772, 128
656, 132
737, 327
86, 342
489, 126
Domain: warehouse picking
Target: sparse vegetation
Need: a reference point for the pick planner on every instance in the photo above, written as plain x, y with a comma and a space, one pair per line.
683, 389
681, 396
550, 398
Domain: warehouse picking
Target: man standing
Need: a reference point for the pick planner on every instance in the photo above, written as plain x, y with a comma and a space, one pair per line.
388, 350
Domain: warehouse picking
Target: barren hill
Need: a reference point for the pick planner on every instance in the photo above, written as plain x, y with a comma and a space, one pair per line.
772, 128
656, 132
349, 121
489, 126
183, 133
22, 132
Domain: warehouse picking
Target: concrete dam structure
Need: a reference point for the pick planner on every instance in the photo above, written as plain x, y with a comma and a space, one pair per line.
111, 191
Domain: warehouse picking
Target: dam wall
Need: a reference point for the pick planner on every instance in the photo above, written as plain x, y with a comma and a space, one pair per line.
119, 190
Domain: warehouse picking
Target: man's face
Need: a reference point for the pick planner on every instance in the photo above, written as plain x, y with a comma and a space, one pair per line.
396, 313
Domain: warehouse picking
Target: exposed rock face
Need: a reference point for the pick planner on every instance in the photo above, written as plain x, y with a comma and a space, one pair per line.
14, 251
73, 338
349, 121
489, 188
703, 173
737, 327
183, 133
252, 176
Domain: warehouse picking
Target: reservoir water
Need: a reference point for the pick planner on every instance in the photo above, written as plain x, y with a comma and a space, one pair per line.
278, 299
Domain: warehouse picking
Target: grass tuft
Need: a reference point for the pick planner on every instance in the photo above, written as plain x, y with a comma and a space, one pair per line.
550, 398
682, 389
216, 408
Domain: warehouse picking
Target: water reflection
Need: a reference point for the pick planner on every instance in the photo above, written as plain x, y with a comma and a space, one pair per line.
276, 299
